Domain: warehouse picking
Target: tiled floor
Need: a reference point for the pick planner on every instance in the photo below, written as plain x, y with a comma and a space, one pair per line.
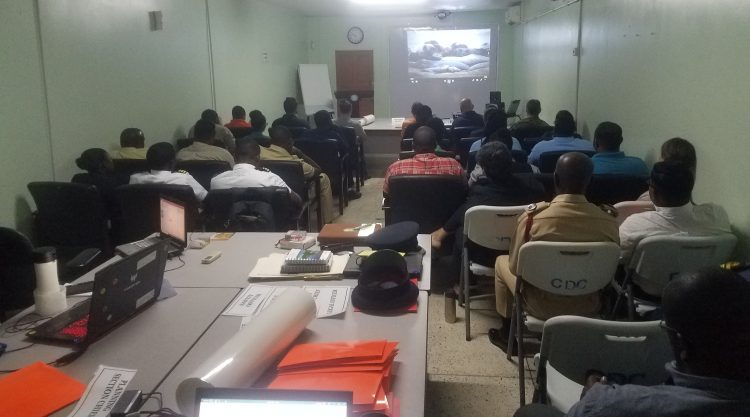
463, 378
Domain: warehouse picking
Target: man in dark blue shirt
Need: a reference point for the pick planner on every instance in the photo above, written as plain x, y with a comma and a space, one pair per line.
290, 118
468, 116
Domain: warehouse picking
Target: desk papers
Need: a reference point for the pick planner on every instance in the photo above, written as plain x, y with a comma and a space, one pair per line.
103, 391
329, 301
269, 269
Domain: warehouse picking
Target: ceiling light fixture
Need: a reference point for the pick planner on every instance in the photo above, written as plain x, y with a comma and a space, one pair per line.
386, 2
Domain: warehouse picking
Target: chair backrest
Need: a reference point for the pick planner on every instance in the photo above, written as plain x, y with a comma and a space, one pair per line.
407, 144
658, 259
203, 171
124, 168
426, 199
17, 278
70, 217
292, 174
491, 226
240, 132
548, 160
612, 188
572, 345
325, 153
528, 143
139, 206
531, 132
626, 208
463, 146
218, 207
458, 133
568, 268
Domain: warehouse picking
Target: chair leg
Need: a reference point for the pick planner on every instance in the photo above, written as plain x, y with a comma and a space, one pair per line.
511, 333
521, 363
464, 278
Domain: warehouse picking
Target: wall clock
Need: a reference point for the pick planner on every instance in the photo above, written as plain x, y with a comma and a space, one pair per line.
355, 35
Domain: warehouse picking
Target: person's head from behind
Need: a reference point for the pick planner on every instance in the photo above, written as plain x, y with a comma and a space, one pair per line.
707, 318
238, 112
671, 184
415, 108
204, 131
258, 120
290, 105
565, 124
323, 120
211, 116
466, 105
533, 107
423, 114
281, 137
495, 159
425, 140
503, 136
95, 161
607, 137
246, 151
679, 149
573, 173
495, 120
345, 107
161, 157
132, 137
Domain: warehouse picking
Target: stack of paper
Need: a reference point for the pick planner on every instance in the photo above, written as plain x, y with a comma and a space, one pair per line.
362, 367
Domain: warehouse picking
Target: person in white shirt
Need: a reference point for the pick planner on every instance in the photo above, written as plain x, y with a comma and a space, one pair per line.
160, 160
201, 149
247, 172
670, 189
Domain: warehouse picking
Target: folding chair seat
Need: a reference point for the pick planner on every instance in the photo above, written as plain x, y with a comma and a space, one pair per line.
490, 227
562, 268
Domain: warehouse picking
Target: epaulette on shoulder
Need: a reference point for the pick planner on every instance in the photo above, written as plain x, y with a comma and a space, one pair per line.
264, 169
534, 208
608, 209
181, 171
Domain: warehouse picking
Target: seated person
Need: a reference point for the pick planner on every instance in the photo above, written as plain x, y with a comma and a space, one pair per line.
533, 108
238, 118
201, 149
221, 136
410, 120
424, 162
670, 188
160, 160
132, 145
707, 319
325, 129
676, 149
609, 159
424, 117
99, 173
282, 149
498, 187
468, 116
344, 119
290, 118
495, 121
247, 172
258, 120
568, 218
502, 136
563, 138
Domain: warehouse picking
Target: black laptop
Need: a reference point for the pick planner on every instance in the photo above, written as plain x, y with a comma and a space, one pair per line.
173, 230
224, 402
121, 290
511, 112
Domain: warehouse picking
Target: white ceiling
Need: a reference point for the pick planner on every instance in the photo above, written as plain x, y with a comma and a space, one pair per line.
349, 7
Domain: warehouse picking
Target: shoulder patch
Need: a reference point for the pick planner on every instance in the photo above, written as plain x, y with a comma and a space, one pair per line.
536, 207
608, 209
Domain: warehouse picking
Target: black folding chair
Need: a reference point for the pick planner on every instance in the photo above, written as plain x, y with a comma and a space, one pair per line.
219, 206
326, 154
429, 200
292, 174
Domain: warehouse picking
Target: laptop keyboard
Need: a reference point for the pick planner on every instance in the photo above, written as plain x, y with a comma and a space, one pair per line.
147, 242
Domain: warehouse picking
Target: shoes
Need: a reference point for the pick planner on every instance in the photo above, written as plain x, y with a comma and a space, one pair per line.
499, 338
353, 195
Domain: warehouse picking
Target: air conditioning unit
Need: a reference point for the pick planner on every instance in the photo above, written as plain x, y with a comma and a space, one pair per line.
513, 15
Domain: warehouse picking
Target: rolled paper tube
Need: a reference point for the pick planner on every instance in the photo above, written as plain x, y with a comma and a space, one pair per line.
366, 120
245, 357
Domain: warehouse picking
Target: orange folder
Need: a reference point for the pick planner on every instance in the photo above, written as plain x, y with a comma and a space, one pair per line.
388, 354
364, 385
312, 353
37, 390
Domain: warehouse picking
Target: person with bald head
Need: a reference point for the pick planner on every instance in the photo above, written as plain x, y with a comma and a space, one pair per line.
468, 116
425, 161
569, 217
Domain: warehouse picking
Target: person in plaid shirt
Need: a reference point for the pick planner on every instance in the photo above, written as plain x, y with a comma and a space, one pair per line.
425, 162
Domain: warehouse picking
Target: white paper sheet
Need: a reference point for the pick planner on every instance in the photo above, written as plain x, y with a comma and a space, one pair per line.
103, 391
329, 301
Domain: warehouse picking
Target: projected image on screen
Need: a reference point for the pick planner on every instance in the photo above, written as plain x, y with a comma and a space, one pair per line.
463, 53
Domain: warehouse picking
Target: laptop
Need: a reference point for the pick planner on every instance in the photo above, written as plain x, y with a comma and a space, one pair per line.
231, 402
121, 290
172, 227
511, 112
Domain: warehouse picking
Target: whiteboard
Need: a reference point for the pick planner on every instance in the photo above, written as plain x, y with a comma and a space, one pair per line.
316, 88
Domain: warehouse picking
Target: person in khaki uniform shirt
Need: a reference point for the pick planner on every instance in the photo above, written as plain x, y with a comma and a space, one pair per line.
201, 149
568, 218
282, 149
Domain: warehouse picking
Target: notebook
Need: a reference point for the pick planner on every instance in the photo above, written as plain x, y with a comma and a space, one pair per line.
307, 257
172, 227
354, 234
121, 290
231, 402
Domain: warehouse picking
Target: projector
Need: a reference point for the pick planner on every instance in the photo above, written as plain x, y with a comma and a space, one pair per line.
443, 14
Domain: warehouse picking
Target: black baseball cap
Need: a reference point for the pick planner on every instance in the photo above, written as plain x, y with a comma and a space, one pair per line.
384, 283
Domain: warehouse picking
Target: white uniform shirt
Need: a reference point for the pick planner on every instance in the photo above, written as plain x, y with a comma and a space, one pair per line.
166, 177
246, 176
687, 220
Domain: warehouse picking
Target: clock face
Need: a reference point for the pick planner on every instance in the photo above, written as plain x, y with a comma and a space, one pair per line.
355, 35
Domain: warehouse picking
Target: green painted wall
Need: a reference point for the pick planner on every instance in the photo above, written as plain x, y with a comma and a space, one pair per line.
328, 34
662, 69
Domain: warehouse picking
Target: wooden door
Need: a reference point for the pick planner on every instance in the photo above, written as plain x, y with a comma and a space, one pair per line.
355, 76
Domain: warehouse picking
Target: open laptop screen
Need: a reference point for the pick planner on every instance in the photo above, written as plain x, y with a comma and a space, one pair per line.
272, 403
172, 219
